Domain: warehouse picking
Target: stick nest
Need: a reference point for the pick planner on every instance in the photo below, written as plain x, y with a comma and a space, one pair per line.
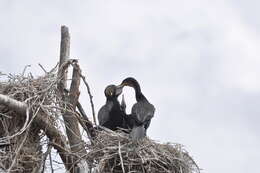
116, 152
109, 152
20, 138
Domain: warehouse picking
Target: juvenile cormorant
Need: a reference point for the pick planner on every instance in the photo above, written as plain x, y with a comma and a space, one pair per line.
111, 114
142, 111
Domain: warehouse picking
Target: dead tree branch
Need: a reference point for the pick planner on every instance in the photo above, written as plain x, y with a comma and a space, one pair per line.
71, 121
71, 99
88, 126
90, 98
84, 121
64, 53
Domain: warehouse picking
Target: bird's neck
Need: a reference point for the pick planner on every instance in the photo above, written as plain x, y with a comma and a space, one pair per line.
138, 94
112, 100
139, 97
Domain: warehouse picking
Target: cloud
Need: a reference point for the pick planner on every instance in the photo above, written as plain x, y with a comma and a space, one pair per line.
197, 62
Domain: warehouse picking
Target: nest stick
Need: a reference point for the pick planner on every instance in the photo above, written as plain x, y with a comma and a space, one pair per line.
17, 153
121, 158
90, 98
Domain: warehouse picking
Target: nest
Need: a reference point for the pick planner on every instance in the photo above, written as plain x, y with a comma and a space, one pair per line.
109, 152
116, 152
17, 133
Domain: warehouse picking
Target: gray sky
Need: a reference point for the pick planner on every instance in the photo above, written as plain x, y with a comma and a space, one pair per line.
197, 61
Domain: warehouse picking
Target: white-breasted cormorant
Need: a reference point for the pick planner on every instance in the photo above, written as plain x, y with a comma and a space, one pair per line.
142, 111
111, 114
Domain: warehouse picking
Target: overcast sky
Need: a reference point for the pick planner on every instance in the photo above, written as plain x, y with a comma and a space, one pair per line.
197, 61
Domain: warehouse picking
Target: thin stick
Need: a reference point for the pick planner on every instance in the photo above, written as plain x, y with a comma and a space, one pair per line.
90, 98
42, 68
45, 156
52, 170
121, 159
24, 70
88, 123
18, 151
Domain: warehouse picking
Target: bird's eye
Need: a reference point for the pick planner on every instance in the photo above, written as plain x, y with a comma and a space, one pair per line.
127, 84
111, 92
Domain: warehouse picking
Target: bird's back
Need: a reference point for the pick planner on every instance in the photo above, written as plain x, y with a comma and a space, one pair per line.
143, 111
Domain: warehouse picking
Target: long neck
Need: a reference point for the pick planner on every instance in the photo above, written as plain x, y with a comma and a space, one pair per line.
138, 94
112, 100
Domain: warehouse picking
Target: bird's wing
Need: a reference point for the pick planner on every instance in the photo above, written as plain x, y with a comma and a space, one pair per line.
103, 115
143, 111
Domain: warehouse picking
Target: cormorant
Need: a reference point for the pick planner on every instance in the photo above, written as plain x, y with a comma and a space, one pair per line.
142, 111
111, 114
123, 104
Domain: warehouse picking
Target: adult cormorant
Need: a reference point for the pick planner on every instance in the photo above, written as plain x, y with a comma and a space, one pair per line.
142, 111
111, 114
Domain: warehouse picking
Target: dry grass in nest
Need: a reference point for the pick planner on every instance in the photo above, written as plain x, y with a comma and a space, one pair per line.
116, 152
38, 93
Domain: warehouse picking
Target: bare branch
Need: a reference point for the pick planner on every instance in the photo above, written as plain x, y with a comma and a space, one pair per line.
88, 126
85, 123
45, 71
13, 104
71, 121
52, 170
90, 98
46, 154
64, 54
20, 108
18, 152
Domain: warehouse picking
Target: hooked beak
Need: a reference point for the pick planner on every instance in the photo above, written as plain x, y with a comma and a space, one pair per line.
121, 86
119, 89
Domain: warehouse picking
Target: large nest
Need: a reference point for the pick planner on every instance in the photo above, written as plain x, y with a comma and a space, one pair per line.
109, 152
116, 152
18, 134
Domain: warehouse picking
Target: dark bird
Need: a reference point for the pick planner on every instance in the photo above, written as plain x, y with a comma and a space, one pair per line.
111, 114
142, 111
123, 104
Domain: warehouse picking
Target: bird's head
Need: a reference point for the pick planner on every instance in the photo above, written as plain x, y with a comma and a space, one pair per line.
130, 81
112, 91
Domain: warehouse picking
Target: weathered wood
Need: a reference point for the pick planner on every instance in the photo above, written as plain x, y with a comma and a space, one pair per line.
72, 128
64, 53
13, 104
84, 121
71, 99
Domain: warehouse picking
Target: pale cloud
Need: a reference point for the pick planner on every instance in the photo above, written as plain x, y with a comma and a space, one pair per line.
197, 62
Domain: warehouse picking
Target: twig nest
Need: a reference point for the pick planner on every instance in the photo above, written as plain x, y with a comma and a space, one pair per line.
116, 152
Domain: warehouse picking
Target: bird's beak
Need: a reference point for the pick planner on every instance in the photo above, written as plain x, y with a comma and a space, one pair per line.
119, 89
121, 85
